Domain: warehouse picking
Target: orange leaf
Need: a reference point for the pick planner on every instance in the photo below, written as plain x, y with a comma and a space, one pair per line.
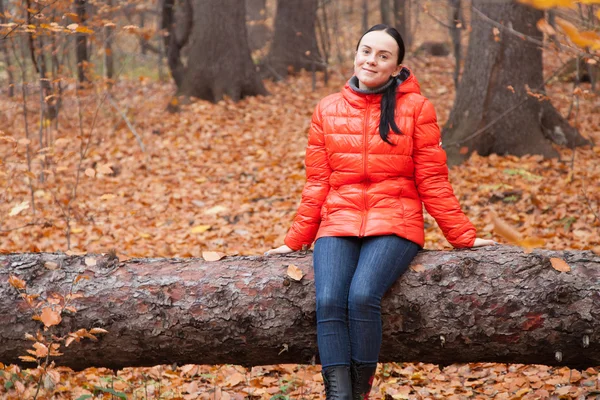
294, 272
417, 267
28, 358
509, 233
16, 282
40, 349
50, 317
98, 330
212, 255
560, 265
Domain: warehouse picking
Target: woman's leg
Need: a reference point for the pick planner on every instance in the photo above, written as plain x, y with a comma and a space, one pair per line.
383, 259
335, 260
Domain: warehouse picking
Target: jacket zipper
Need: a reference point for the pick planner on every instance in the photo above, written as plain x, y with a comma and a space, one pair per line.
361, 232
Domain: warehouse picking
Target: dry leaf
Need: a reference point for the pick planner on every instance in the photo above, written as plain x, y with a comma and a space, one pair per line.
91, 172
200, 229
215, 210
90, 261
50, 317
417, 267
212, 255
16, 210
40, 350
16, 282
98, 330
560, 265
294, 272
506, 231
51, 265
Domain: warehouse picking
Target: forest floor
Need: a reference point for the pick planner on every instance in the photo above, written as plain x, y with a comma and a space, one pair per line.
227, 177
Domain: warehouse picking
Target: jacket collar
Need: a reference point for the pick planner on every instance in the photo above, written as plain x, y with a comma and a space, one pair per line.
360, 100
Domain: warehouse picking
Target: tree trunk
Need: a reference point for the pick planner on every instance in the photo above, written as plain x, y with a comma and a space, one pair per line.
483, 305
365, 15
256, 19
386, 12
456, 25
219, 62
81, 41
4, 46
294, 41
496, 109
108, 39
402, 21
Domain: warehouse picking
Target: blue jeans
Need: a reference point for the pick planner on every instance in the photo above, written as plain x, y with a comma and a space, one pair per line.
351, 276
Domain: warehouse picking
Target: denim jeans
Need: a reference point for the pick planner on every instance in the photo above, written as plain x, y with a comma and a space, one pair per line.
351, 276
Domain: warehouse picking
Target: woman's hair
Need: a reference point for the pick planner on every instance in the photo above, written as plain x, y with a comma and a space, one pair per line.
388, 100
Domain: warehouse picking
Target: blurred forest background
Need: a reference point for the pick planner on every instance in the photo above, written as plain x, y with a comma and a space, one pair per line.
173, 128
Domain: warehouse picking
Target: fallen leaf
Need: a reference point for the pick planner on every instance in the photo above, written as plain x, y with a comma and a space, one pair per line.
215, 210
200, 228
16, 282
294, 272
506, 231
51, 265
560, 265
417, 267
90, 261
212, 255
91, 172
18, 208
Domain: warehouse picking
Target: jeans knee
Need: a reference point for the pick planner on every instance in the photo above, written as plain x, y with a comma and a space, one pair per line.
363, 300
329, 307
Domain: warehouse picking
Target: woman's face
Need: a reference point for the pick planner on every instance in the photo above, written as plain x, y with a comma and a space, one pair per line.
376, 60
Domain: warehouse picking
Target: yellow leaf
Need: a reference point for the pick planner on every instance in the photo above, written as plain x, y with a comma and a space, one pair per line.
509, 233
532, 242
18, 208
107, 196
545, 4
560, 265
76, 230
90, 261
98, 330
580, 39
294, 272
16, 282
72, 26
213, 255
144, 235
83, 29
50, 317
28, 358
200, 228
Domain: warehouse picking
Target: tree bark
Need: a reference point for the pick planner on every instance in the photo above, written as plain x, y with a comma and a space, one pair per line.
497, 109
456, 25
81, 41
294, 41
219, 62
481, 305
402, 21
256, 17
386, 12
7, 62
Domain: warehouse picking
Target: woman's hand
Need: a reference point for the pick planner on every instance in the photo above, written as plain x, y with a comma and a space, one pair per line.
483, 242
280, 250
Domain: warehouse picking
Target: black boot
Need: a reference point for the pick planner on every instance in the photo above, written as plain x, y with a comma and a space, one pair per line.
338, 384
362, 379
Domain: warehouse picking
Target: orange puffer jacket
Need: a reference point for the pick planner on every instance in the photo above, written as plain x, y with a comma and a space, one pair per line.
359, 185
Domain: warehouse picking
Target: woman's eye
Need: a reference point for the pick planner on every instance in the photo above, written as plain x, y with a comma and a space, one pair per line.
383, 57
365, 51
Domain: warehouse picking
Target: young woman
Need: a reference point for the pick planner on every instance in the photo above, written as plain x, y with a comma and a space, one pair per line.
374, 156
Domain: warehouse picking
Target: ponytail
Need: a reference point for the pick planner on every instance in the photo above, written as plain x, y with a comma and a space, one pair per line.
388, 112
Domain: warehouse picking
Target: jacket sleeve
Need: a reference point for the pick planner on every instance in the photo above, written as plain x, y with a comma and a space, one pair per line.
308, 218
431, 176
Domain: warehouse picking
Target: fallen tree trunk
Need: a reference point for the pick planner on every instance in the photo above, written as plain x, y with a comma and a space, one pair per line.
490, 304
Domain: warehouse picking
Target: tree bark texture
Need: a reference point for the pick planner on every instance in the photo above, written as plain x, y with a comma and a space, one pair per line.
256, 17
219, 62
480, 305
294, 44
497, 109
7, 62
386, 12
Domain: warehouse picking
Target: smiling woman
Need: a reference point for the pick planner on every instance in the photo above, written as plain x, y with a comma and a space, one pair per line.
373, 158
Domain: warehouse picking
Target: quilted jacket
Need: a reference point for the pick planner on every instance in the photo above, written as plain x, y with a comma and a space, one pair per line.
359, 185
